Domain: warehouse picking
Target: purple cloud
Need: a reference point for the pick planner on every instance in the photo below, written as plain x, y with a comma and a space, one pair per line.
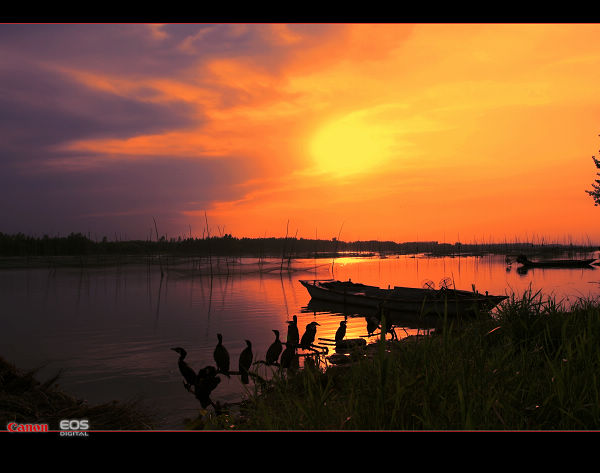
43, 106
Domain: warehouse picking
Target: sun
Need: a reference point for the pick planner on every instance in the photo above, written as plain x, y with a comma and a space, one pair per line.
350, 145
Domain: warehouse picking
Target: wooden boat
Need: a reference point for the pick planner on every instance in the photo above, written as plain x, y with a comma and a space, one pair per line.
414, 320
402, 299
557, 263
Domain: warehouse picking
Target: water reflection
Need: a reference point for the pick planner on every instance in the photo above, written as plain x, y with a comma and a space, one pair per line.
112, 329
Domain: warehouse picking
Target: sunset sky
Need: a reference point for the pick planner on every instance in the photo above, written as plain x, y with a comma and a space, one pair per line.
404, 132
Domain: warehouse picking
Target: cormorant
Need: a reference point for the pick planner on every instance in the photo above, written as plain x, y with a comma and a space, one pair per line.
245, 362
274, 350
206, 381
389, 328
309, 335
221, 356
372, 324
188, 373
288, 357
341, 331
293, 336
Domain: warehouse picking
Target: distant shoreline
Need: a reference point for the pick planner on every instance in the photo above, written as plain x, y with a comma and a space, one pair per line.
77, 250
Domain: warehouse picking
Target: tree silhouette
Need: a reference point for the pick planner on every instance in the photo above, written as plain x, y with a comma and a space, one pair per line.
596, 185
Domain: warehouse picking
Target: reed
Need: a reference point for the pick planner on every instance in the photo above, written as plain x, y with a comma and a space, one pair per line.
162, 272
284, 245
208, 246
533, 365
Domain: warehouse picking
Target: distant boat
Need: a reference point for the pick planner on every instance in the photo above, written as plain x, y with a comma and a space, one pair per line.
556, 263
403, 299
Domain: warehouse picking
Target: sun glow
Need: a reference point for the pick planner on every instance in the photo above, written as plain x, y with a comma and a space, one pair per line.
350, 145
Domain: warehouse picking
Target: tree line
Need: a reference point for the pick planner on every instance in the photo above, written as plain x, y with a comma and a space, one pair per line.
76, 244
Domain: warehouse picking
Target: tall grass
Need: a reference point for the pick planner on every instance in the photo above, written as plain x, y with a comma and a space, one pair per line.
534, 365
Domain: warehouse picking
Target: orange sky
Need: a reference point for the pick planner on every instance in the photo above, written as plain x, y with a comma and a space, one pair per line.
393, 131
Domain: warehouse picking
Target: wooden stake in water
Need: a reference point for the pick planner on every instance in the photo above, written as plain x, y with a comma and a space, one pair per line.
157, 241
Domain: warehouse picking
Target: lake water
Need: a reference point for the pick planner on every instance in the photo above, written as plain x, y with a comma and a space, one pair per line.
111, 329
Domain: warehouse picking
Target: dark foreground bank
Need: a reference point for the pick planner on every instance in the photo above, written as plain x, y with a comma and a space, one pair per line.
535, 366
25, 401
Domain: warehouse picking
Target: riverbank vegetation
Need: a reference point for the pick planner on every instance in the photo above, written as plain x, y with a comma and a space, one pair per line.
534, 366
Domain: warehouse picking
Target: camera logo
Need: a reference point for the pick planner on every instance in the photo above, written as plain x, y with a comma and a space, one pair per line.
74, 427
15, 427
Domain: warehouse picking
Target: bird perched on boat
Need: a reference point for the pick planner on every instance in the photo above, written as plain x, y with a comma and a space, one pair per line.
293, 336
188, 373
206, 381
341, 331
274, 350
221, 356
309, 335
245, 362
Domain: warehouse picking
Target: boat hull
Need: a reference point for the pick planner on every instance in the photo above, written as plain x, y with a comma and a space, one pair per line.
563, 263
404, 300
560, 264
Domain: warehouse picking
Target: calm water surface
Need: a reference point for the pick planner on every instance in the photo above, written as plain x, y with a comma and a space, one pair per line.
111, 329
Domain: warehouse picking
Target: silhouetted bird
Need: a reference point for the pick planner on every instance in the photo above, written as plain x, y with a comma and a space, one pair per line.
341, 331
245, 362
385, 321
274, 350
372, 324
206, 381
389, 328
188, 373
221, 356
288, 357
293, 336
309, 335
